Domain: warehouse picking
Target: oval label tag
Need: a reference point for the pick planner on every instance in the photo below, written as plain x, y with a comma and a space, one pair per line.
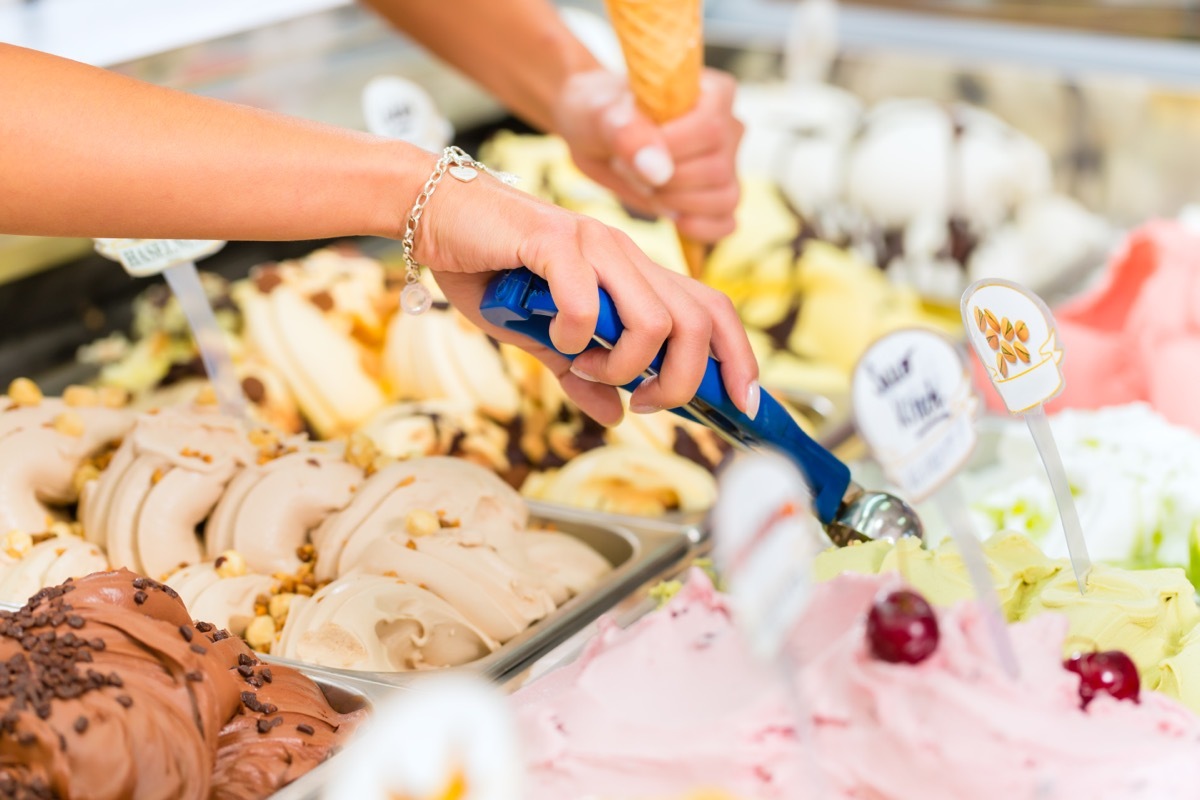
444, 738
396, 108
765, 540
1015, 336
915, 407
142, 257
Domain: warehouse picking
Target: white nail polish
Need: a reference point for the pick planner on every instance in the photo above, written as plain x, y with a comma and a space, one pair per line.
654, 164
620, 113
630, 177
753, 399
578, 373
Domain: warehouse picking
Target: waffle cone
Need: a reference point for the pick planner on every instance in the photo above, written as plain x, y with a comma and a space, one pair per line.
663, 42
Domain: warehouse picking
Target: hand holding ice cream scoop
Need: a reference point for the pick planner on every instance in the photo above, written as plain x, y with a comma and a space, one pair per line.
176, 260
520, 302
1015, 336
915, 407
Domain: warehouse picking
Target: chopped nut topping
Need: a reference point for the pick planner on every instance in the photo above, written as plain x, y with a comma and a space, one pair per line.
69, 423
230, 564
113, 397
17, 544
81, 396
24, 392
421, 523
278, 607
260, 633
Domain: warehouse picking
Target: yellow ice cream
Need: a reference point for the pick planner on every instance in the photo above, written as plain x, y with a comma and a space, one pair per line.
811, 308
1151, 615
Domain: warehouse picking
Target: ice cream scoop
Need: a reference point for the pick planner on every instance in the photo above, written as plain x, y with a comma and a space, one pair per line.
162, 482
521, 302
42, 446
112, 691
379, 623
267, 511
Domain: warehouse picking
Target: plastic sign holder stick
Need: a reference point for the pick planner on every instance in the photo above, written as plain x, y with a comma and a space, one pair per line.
176, 260
765, 539
1016, 338
915, 408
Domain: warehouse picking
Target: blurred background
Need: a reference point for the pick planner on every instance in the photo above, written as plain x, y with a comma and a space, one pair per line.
1038, 130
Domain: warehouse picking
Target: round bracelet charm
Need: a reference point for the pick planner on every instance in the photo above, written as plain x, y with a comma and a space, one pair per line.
415, 298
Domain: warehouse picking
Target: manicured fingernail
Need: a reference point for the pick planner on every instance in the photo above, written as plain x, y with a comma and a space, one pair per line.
654, 164
753, 399
630, 177
578, 373
620, 113
639, 406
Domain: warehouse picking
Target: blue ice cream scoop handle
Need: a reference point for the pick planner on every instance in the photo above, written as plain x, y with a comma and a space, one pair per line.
520, 301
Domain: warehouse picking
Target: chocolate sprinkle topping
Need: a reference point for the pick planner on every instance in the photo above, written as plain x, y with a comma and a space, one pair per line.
139, 597
125, 700
246, 661
204, 627
254, 389
186, 632
306, 729
199, 648
195, 676
81, 724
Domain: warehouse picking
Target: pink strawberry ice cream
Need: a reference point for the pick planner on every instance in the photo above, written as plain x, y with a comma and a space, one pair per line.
1135, 336
676, 703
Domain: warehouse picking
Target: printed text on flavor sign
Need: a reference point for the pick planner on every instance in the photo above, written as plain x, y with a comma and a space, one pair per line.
161, 253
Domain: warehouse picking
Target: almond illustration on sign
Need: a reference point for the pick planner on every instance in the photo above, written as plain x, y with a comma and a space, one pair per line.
1006, 337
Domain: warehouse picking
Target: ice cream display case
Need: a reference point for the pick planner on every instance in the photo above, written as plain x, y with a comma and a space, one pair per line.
412, 498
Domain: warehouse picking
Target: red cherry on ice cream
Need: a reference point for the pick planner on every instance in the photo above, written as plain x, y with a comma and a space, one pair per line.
1111, 672
902, 628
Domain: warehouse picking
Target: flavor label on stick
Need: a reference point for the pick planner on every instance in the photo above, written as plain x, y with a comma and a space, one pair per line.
396, 108
766, 540
142, 257
1016, 338
915, 407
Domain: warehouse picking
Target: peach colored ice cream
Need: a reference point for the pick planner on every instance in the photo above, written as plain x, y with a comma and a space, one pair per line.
1136, 335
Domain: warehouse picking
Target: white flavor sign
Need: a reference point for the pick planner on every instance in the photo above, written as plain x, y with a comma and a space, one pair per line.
1014, 334
915, 407
143, 257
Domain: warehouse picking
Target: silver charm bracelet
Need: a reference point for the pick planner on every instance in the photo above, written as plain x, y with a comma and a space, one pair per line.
416, 298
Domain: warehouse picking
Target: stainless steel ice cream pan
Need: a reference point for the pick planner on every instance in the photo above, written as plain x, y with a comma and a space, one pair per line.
637, 603
638, 549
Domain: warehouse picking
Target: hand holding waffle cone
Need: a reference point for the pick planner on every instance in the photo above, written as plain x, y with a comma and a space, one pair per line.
663, 41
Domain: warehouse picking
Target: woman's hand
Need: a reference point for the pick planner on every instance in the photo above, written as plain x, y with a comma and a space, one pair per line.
683, 170
471, 230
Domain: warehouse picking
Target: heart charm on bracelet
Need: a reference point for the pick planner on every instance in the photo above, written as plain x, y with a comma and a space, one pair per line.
463, 173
